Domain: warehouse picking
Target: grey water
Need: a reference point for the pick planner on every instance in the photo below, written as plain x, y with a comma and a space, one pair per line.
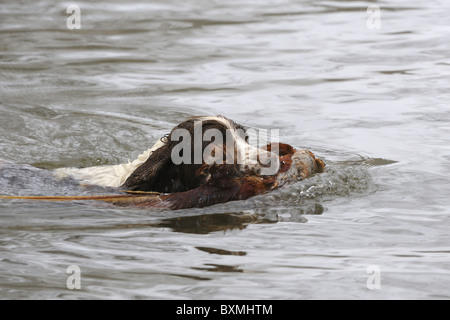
367, 94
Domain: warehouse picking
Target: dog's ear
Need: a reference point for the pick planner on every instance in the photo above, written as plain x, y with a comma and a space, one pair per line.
148, 176
159, 173
223, 185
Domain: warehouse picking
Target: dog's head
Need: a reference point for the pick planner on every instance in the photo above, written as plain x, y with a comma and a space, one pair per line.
191, 150
216, 152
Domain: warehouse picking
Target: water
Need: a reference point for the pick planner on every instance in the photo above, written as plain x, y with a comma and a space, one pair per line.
373, 104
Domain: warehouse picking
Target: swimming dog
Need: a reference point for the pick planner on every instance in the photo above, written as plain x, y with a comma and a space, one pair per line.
203, 161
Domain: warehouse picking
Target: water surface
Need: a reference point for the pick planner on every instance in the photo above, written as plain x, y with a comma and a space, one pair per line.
373, 104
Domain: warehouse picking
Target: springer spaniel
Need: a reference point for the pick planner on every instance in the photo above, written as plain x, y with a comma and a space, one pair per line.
203, 161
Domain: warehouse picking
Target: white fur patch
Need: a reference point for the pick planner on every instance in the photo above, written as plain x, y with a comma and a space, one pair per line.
107, 176
248, 154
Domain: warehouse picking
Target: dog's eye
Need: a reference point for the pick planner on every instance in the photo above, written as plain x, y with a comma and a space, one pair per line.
242, 134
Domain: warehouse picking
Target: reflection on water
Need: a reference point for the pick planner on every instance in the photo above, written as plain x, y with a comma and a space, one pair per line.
203, 224
212, 222
372, 103
222, 251
219, 268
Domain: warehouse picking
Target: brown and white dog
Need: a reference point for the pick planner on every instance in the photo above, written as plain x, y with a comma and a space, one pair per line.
203, 161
